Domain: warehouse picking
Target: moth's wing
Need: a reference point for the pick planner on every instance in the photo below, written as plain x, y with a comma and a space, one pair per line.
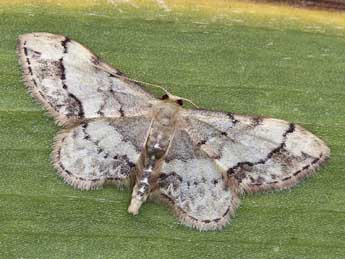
101, 150
194, 187
260, 153
73, 83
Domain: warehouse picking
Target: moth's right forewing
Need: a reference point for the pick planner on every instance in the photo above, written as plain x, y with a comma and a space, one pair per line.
259, 153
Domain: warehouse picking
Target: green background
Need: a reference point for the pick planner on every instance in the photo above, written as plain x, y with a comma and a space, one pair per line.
245, 67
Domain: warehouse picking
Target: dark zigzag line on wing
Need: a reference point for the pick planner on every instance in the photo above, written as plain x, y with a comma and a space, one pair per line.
64, 44
63, 77
172, 201
32, 75
306, 167
100, 150
69, 173
232, 118
27, 58
95, 60
291, 129
163, 177
112, 93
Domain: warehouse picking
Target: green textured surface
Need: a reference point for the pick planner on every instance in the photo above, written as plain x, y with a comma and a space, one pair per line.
283, 73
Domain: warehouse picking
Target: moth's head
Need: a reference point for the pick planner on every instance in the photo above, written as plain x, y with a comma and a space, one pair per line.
172, 99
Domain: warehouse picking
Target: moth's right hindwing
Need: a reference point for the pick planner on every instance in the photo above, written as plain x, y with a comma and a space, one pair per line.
194, 187
73, 83
101, 150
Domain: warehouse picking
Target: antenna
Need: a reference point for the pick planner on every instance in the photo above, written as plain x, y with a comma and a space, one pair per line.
154, 85
171, 96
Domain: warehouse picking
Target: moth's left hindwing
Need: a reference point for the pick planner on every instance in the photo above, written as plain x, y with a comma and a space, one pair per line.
101, 150
73, 83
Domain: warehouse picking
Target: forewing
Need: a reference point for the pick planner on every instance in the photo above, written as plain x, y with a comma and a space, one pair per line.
260, 153
73, 83
193, 185
101, 150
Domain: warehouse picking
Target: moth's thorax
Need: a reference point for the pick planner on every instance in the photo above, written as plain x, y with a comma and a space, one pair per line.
166, 112
162, 129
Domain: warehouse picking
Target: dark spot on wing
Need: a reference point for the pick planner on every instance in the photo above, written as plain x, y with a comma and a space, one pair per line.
122, 113
232, 117
164, 97
95, 60
256, 121
179, 102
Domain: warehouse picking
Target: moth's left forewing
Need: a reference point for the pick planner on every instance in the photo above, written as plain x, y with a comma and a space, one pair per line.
73, 84
259, 153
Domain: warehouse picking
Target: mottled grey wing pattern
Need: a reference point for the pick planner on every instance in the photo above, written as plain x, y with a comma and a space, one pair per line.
73, 83
193, 185
259, 153
101, 150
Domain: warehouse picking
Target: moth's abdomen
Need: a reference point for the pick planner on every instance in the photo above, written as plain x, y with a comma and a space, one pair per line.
155, 149
158, 143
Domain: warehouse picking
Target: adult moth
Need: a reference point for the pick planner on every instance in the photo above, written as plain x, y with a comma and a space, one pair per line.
197, 161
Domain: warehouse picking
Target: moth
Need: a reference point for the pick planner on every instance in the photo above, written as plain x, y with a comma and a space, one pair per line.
199, 162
